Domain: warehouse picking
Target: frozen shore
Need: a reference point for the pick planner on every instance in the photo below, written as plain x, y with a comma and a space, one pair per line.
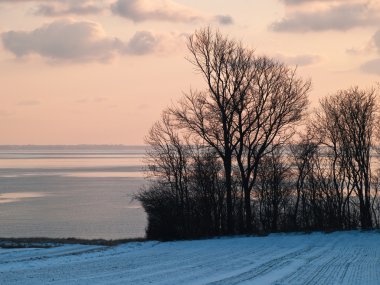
317, 258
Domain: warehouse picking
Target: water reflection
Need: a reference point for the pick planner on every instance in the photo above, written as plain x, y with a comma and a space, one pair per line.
75, 192
15, 197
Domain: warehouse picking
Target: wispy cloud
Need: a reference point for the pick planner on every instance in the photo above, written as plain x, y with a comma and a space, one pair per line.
70, 7
135, 10
145, 42
5, 113
373, 66
224, 19
142, 43
163, 10
341, 17
63, 40
64, 7
376, 40
28, 103
298, 2
299, 60
100, 99
21, 1
81, 41
159, 10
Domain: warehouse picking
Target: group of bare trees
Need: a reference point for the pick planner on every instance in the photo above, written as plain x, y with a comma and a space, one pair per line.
225, 160
345, 127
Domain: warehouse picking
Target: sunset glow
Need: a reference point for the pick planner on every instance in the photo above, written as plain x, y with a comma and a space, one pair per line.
100, 72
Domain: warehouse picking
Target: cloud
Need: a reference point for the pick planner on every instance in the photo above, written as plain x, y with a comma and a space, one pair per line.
142, 43
59, 9
363, 50
70, 7
81, 101
145, 42
162, 10
373, 45
20, 1
376, 40
341, 17
65, 7
63, 40
135, 10
224, 19
299, 60
297, 2
373, 66
28, 103
100, 99
143, 106
81, 41
5, 113
294, 2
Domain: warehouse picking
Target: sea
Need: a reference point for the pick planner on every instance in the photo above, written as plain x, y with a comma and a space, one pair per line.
82, 191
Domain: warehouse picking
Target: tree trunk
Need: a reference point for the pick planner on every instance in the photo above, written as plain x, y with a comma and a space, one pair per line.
247, 206
228, 169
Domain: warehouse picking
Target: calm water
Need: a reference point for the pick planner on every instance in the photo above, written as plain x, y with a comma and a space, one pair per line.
81, 191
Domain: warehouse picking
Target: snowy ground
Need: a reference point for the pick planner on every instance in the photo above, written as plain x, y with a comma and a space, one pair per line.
337, 258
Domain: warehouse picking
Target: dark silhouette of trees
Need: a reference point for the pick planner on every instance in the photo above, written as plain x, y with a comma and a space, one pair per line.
225, 159
266, 115
304, 154
249, 102
348, 119
272, 190
227, 69
168, 163
334, 182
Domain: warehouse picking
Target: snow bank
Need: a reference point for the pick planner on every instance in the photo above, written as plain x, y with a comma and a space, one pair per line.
336, 258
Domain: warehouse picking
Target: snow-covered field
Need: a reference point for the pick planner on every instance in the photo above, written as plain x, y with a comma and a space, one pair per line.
336, 258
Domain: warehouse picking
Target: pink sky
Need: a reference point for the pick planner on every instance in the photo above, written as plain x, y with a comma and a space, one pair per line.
100, 72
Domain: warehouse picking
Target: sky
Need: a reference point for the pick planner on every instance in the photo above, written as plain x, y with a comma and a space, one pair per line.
101, 72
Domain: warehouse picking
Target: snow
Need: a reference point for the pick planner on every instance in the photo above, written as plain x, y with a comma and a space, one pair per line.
317, 258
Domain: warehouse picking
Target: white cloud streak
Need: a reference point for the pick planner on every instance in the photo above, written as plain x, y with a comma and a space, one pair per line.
159, 10
299, 60
82, 41
163, 10
341, 17
300, 2
64, 7
373, 66
28, 103
62, 40
70, 7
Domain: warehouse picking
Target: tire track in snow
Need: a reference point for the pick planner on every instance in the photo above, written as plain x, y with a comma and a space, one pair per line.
262, 269
337, 258
40, 255
336, 265
202, 261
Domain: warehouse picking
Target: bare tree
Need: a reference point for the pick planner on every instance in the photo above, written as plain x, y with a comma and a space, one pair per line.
226, 67
220, 161
303, 153
168, 162
208, 190
349, 117
267, 113
185, 197
273, 189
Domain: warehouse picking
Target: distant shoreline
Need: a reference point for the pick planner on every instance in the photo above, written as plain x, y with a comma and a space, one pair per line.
71, 146
43, 242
